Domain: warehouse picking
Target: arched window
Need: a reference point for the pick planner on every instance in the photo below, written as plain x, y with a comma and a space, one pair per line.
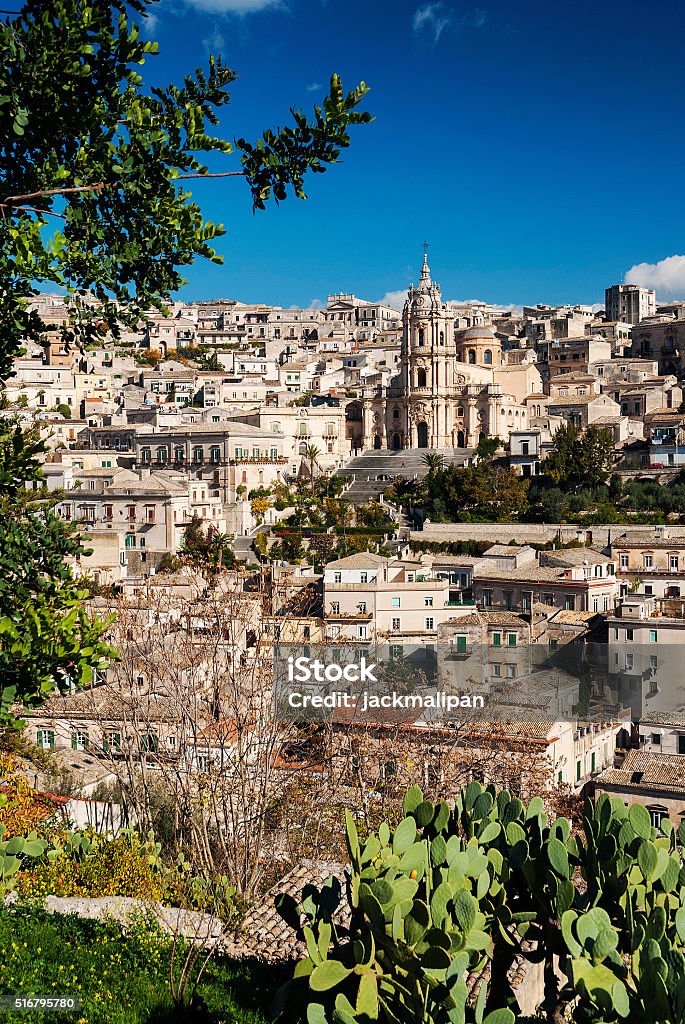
275, 428
302, 448
396, 414
420, 378
303, 428
472, 356
442, 337
487, 357
460, 410
422, 336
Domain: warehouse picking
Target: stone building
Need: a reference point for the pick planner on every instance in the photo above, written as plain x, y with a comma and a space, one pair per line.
447, 393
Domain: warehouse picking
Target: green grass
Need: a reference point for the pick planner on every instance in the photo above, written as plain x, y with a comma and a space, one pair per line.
119, 979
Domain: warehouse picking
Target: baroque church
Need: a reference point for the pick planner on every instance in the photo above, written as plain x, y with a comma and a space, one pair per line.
455, 387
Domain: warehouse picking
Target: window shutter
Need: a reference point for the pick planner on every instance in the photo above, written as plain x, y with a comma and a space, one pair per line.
74, 740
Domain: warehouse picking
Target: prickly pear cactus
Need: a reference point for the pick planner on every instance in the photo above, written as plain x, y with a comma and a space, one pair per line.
489, 880
417, 929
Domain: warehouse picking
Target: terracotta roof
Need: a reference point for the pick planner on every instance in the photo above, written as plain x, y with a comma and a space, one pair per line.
643, 770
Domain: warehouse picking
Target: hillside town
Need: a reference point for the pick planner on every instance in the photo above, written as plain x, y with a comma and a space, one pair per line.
288, 455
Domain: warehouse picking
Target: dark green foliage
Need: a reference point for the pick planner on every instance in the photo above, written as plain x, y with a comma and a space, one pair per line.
47, 641
87, 149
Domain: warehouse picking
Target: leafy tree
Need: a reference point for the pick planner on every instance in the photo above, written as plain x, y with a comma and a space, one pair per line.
487, 447
433, 461
580, 459
86, 148
47, 641
85, 144
312, 453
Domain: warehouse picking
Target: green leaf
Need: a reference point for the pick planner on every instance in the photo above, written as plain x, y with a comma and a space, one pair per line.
367, 996
404, 836
501, 1016
558, 857
412, 798
327, 975
639, 818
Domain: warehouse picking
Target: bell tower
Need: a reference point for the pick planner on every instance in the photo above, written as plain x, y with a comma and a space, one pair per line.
428, 353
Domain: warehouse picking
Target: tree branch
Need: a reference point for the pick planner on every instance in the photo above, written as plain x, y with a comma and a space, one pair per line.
32, 209
8, 200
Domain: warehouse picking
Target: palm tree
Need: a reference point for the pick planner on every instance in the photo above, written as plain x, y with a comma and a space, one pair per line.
312, 453
435, 461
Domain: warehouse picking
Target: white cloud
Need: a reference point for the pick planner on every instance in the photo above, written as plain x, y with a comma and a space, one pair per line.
667, 277
395, 300
433, 18
314, 87
234, 6
214, 43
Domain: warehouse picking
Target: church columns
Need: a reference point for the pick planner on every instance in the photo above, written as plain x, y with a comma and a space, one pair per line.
471, 423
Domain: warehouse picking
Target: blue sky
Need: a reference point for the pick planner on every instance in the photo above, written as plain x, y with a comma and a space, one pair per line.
538, 146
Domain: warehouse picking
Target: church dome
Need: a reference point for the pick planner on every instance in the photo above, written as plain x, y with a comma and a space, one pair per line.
480, 333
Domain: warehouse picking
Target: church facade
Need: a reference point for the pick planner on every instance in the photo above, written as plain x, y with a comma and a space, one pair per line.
454, 387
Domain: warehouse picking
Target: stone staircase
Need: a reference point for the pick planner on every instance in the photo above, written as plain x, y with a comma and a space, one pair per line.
371, 472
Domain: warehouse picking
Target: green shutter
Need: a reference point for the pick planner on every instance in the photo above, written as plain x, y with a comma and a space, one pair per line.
461, 645
496, 639
577, 771
74, 741
51, 739
592, 761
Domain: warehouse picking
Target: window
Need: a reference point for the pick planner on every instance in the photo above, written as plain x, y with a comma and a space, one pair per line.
111, 741
109, 512
362, 607
629, 661
657, 814
362, 632
79, 740
673, 562
649, 561
394, 602
161, 455
149, 743
430, 623
496, 639
461, 645
511, 671
396, 625
45, 739
578, 771
179, 453
428, 602
198, 454
629, 634
511, 639
335, 608
215, 453
656, 739
652, 636
624, 561
337, 577
497, 669
363, 577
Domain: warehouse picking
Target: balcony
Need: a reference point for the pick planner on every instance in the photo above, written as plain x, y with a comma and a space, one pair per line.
460, 604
